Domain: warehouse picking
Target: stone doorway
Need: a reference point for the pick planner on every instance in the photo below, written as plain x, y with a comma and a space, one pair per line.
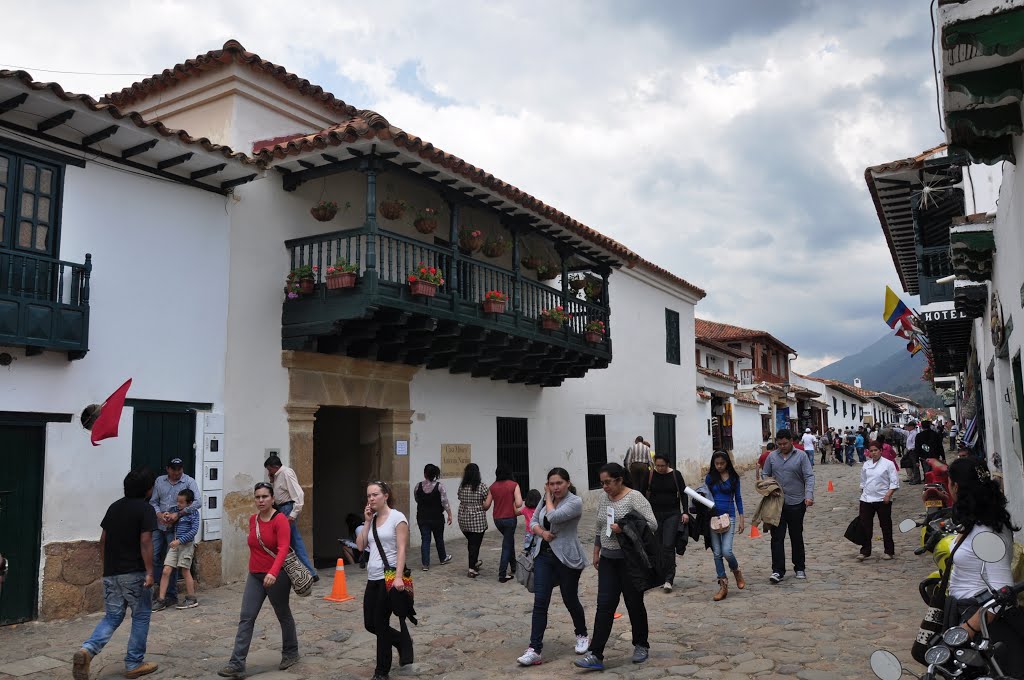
379, 393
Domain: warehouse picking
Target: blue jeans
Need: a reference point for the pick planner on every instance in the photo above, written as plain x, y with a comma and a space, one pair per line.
810, 454
428, 527
161, 541
860, 454
120, 593
850, 449
721, 547
548, 572
297, 544
507, 527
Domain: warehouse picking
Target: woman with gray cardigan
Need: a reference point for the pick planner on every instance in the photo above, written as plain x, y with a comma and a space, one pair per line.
558, 560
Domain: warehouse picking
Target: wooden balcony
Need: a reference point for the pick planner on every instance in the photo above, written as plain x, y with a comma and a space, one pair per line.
44, 303
751, 376
380, 319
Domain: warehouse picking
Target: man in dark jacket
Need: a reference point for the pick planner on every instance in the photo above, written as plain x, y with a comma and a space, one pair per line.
928, 445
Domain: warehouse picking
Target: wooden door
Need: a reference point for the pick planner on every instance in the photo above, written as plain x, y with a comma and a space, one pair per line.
665, 436
21, 518
159, 435
514, 450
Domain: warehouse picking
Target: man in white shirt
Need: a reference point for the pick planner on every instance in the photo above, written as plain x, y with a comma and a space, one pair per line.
288, 500
915, 469
808, 441
878, 482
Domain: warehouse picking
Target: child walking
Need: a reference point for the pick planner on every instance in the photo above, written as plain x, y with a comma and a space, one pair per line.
180, 553
724, 485
529, 507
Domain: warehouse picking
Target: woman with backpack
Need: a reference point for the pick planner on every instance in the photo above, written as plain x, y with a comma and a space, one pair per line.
724, 484
431, 503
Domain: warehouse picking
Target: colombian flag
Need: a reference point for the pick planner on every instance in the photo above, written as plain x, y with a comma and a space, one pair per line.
894, 310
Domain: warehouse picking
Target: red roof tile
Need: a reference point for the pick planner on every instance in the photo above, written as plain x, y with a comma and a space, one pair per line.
723, 331
746, 399
717, 374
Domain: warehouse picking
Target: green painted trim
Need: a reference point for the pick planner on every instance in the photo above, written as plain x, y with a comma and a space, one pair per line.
989, 86
1001, 33
33, 418
168, 406
993, 122
985, 151
980, 241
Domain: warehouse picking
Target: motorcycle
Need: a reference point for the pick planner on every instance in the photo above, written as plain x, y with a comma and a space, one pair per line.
936, 494
937, 537
954, 654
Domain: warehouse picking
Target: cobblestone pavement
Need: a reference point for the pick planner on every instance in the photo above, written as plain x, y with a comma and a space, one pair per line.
824, 627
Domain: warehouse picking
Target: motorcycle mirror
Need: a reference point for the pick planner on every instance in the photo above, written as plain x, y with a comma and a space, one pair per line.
907, 525
988, 547
885, 665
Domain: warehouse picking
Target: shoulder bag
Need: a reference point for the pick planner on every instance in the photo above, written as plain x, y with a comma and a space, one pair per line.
524, 565
390, 573
302, 580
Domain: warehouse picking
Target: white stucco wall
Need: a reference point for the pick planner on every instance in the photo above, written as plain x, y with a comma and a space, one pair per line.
746, 433
157, 315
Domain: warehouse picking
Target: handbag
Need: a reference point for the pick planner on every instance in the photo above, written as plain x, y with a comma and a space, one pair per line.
855, 532
934, 620
720, 524
302, 580
524, 566
391, 573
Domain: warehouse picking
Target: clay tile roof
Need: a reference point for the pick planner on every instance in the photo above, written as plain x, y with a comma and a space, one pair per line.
850, 390
231, 52
717, 374
116, 114
366, 125
745, 398
714, 330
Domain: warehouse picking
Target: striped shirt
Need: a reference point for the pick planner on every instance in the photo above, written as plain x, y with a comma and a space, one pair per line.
633, 501
637, 453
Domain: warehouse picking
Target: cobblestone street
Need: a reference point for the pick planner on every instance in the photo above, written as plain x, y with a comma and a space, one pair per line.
824, 627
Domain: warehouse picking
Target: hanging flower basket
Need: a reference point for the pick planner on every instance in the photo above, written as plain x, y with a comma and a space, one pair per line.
593, 338
548, 271
577, 282
341, 280
324, 211
495, 247
422, 288
425, 225
392, 210
471, 240
531, 262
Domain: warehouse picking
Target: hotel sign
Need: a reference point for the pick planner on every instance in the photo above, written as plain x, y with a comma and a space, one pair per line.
944, 315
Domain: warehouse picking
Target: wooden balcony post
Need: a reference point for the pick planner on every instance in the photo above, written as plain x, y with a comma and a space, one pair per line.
87, 272
371, 274
564, 254
454, 210
517, 285
605, 297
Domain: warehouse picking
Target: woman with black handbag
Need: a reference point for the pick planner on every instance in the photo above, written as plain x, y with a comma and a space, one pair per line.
387, 534
665, 492
557, 560
269, 544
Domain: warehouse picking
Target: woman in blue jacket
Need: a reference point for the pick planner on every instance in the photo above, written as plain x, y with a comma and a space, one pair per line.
724, 484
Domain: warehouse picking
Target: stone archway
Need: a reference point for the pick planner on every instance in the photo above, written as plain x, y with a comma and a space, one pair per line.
316, 380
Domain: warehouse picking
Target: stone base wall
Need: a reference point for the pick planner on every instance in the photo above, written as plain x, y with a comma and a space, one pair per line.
73, 577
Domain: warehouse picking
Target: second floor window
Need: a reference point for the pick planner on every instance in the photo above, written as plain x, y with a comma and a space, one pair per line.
29, 200
672, 337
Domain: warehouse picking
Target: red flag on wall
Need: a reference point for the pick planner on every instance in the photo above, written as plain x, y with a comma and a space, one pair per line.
110, 415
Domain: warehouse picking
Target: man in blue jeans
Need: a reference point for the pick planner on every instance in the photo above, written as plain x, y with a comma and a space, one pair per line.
126, 544
164, 500
288, 500
793, 471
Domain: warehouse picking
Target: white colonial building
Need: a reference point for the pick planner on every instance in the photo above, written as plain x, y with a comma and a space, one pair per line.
193, 246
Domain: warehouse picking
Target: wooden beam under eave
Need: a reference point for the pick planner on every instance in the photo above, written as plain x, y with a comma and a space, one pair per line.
100, 135
138, 148
54, 121
430, 173
232, 183
307, 165
171, 162
206, 172
13, 102
329, 158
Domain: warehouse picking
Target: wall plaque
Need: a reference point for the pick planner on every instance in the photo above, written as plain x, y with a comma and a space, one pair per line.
454, 459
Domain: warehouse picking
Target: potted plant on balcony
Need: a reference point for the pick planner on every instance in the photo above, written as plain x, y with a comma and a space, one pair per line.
494, 302
301, 281
548, 270
553, 319
495, 246
471, 239
393, 209
342, 274
426, 220
594, 331
324, 211
425, 280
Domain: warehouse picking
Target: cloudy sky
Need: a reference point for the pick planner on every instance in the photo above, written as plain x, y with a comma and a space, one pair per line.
725, 141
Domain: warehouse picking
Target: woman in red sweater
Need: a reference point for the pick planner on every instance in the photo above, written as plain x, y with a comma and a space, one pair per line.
269, 542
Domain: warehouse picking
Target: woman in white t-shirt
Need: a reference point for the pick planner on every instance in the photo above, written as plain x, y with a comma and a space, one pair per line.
392, 529
980, 506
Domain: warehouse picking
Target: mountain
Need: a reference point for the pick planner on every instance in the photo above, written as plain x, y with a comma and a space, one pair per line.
885, 366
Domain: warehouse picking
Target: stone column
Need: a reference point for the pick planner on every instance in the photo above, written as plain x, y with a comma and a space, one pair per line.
395, 425
300, 459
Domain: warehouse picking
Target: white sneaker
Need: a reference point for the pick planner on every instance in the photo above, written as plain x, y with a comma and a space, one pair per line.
801, 575
532, 658
582, 644
667, 587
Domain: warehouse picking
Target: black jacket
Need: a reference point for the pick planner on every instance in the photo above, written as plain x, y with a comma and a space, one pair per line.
642, 552
929, 445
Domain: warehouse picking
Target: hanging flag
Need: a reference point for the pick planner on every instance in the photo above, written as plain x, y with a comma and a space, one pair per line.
903, 333
894, 310
110, 415
914, 347
970, 435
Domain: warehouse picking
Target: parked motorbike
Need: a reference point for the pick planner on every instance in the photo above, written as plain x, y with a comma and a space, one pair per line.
936, 494
937, 537
954, 654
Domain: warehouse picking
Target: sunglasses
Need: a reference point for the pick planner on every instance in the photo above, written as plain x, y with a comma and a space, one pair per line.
263, 485
608, 482
383, 486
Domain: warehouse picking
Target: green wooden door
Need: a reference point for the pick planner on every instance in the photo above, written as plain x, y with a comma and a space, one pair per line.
21, 518
665, 436
159, 435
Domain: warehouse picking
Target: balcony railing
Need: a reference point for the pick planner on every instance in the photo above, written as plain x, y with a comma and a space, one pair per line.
44, 302
750, 376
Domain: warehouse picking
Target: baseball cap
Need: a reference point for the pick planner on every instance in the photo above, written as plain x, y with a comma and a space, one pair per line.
175, 462
807, 429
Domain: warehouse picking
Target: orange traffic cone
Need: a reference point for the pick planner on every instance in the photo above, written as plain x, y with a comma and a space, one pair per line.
830, 487
339, 593
754, 533
618, 615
